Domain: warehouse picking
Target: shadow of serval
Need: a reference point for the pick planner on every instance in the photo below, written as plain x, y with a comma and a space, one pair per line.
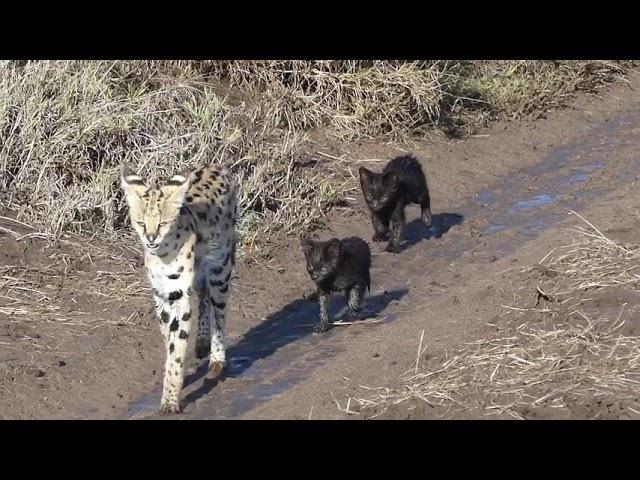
401, 183
187, 229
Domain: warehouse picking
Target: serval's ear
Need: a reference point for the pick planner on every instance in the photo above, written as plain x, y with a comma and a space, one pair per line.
133, 185
391, 179
365, 177
176, 189
333, 249
307, 245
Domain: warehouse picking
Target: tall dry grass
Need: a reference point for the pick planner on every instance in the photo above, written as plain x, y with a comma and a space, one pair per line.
350, 99
66, 128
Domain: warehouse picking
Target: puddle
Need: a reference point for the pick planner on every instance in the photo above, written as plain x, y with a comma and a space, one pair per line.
579, 177
494, 229
560, 175
281, 351
143, 407
533, 202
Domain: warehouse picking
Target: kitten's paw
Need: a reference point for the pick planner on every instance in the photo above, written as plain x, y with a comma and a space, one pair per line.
426, 218
170, 408
321, 328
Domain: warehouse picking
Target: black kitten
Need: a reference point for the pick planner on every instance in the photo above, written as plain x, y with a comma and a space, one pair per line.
401, 182
338, 266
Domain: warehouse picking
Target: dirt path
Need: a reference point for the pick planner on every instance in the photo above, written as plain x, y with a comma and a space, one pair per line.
500, 202
449, 281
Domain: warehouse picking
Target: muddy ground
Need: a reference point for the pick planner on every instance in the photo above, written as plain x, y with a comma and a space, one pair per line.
78, 338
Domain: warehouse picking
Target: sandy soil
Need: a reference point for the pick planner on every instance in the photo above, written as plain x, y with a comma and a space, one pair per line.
78, 338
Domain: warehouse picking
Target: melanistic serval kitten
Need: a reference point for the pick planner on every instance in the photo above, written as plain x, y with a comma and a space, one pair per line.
338, 266
401, 182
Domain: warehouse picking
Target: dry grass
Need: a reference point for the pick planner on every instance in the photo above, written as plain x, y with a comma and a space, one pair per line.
556, 351
47, 289
364, 99
516, 88
48, 292
350, 99
66, 128
594, 262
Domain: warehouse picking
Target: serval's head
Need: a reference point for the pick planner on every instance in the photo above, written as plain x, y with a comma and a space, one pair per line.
153, 210
323, 258
380, 190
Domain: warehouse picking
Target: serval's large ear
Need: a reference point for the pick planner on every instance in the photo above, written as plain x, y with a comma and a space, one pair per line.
307, 245
133, 185
176, 189
391, 179
333, 249
365, 177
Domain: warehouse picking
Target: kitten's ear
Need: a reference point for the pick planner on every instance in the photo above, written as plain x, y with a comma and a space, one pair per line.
132, 184
306, 245
333, 249
391, 179
176, 189
365, 176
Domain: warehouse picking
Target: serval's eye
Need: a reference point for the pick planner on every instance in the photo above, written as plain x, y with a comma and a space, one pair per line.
141, 224
162, 224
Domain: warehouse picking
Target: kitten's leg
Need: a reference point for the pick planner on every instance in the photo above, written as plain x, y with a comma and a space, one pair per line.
397, 226
354, 300
183, 310
425, 206
323, 325
380, 228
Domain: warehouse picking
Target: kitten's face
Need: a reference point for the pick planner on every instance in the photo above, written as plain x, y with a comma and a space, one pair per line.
322, 257
379, 189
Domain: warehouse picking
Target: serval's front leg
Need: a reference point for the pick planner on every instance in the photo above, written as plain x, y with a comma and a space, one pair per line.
184, 306
323, 301
355, 300
396, 227
380, 227
162, 312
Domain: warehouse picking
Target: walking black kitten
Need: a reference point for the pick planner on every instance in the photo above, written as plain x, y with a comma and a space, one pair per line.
401, 182
338, 266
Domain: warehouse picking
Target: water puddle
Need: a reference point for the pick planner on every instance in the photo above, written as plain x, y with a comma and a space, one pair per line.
560, 183
533, 202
